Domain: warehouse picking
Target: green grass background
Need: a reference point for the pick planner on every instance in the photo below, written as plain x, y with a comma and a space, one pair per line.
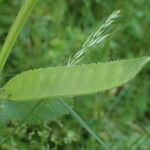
54, 32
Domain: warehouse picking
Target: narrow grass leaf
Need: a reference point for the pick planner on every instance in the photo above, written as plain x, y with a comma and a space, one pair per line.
83, 124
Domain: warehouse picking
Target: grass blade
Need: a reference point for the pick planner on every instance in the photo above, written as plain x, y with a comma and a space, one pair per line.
83, 124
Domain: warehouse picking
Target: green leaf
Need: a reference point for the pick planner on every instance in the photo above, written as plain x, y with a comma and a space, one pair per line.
71, 80
83, 124
31, 112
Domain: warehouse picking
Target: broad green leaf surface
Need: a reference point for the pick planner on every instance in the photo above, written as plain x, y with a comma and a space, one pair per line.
47, 110
71, 80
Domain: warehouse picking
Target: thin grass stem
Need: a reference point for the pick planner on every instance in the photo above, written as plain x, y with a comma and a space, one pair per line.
15, 29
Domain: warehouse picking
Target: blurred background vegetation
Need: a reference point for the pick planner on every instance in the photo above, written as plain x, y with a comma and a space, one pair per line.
53, 33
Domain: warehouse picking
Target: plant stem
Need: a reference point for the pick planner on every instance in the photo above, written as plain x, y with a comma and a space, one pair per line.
83, 124
15, 30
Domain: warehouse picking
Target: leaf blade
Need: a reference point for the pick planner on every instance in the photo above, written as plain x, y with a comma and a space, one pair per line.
72, 80
46, 110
